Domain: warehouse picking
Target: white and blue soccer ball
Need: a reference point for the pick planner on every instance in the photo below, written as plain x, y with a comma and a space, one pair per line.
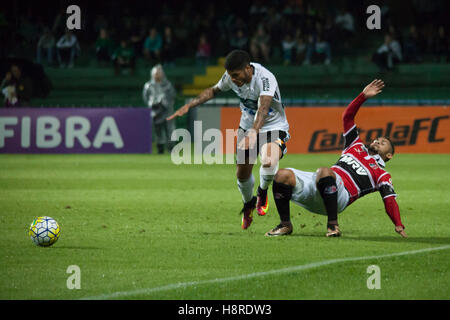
44, 231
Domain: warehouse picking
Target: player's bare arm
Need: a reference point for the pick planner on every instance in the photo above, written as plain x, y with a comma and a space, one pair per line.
260, 118
373, 88
206, 95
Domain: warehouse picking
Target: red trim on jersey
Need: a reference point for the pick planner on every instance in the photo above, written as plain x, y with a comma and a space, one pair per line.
349, 184
393, 211
349, 114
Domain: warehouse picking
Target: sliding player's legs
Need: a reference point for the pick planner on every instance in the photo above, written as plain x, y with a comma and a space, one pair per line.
326, 184
283, 185
302, 188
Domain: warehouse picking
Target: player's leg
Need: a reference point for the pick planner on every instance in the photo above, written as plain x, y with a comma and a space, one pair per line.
272, 147
270, 155
245, 179
326, 184
283, 185
246, 182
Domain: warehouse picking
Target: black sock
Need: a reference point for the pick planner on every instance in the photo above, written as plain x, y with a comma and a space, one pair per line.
328, 190
282, 194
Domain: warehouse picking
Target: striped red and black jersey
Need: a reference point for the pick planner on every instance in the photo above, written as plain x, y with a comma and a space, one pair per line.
361, 172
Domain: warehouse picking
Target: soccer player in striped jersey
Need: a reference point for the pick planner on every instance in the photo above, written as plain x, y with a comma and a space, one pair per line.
359, 171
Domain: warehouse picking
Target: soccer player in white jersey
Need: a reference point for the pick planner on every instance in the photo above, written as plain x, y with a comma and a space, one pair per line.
263, 127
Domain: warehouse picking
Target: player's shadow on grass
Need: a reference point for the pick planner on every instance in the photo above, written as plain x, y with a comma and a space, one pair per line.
393, 238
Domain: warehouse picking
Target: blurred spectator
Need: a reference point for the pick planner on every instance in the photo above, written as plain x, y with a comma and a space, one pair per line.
396, 34
345, 22
413, 46
317, 49
159, 94
124, 58
388, 54
153, 45
46, 46
259, 45
104, 47
16, 88
138, 35
345, 30
441, 45
300, 47
169, 47
67, 48
100, 23
287, 46
203, 51
239, 41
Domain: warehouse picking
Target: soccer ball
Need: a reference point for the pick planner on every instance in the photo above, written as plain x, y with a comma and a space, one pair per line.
44, 231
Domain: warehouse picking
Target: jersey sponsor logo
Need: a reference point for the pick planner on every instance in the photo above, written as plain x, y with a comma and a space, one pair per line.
373, 165
353, 164
330, 190
265, 83
250, 104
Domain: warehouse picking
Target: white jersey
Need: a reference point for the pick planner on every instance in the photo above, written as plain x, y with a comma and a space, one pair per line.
263, 83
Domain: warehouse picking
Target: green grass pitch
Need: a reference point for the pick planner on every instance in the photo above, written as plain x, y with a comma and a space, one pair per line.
140, 227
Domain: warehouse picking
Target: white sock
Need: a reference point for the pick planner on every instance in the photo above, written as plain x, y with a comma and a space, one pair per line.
266, 176
246, 188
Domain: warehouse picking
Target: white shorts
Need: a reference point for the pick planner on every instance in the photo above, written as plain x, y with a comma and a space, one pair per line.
306, 195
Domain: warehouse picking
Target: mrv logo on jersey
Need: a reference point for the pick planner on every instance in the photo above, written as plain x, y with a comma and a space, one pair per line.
402, 135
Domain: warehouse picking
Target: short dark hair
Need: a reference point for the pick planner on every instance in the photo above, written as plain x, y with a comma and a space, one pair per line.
392, 145
237, 60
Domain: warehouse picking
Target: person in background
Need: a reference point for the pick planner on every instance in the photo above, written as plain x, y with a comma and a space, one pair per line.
103, 47
203, 51
124, 57
441, 46
159, 94
46, 45
17, 89
259, 45
66, 49
288, 46
388, 54
168, 47
153, 45
239, 40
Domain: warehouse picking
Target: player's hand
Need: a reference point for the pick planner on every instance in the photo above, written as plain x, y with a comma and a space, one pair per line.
249, 140
400, 230
180, 112
373, 88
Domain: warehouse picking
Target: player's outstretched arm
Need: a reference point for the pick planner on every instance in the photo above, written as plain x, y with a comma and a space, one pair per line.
393, 212
206, 95
373, 88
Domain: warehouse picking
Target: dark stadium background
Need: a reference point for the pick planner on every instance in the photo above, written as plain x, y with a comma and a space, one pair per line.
422, 80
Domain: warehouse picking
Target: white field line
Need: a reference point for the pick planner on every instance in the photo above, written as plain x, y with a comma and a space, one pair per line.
144, 291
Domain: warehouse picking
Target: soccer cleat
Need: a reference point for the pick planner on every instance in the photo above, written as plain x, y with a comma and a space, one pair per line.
262, 203
247, 212
334, 232
280, 230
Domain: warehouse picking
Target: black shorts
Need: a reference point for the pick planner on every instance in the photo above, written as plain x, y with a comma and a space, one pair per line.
250, 155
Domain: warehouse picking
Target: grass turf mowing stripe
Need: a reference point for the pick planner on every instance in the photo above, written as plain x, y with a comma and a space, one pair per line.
257, 274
